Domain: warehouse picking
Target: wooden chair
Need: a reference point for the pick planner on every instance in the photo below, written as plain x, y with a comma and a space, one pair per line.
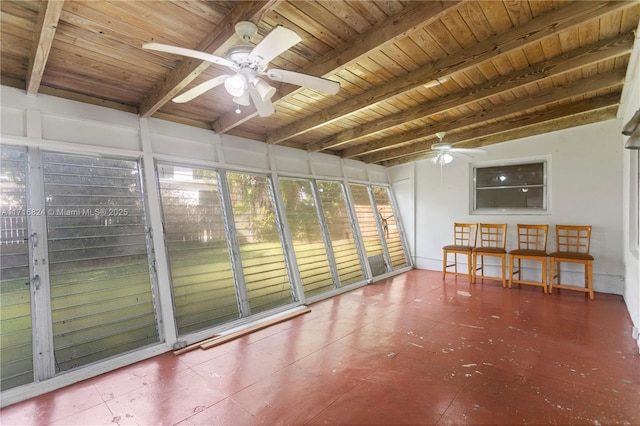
493, 242
532, 245
572, 245
464, 235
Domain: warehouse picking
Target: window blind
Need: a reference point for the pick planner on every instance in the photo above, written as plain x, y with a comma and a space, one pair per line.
16, 353
203, 287
389, 227
101, 295
308, 244
336, 215
263, 263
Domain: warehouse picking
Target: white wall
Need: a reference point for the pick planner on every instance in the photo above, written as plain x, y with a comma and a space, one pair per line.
585, 187
58, 123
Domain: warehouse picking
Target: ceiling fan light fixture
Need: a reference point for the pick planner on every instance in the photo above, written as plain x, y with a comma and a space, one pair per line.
246, 30
243, 99
264, 89
442, 159
235, 85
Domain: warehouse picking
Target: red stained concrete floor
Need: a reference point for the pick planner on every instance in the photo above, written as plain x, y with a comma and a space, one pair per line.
407, 350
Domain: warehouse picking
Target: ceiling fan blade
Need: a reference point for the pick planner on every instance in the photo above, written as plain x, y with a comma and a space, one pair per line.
198, 90
460, 154
279, 40
265, 108
188, 52
468, 151
305, 80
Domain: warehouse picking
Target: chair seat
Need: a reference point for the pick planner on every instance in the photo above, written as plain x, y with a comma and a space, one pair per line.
525, 252
458, 248
492, 250
571, 255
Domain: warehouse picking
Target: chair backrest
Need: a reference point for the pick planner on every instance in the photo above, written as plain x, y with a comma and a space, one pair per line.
573, 238
493, 235
532, 237
464, 234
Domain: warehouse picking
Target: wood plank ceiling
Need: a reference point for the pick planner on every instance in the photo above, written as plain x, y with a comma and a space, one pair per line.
483, 71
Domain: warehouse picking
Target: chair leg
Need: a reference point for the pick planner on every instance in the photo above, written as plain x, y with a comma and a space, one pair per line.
586, 280
518, 271
589, 267
512, 260
444, 263
455, 263
470, 265
551, 267
544, 275
474, 272
503, 260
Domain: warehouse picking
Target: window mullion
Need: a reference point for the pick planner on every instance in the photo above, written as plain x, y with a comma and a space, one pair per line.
287, 244
357, 235
151, 252
326, 238
234, 248
43, 353
378, 220
165, 314
286, 239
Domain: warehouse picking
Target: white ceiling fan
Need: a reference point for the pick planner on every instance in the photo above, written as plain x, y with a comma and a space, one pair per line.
249, 63
442, 152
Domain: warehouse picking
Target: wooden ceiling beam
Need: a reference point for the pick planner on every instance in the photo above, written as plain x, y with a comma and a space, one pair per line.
477, 137
555, 94
44, 32
591, 54
560, 123
391, 29
215, 42
530, 32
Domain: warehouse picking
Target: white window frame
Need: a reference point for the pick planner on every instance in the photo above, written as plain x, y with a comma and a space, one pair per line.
546, 196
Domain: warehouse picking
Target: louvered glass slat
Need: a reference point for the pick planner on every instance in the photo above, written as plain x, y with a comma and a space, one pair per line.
389, 227
334, 206
16, 352
101, 295
202, 281
267, 281
368, 228
308, 245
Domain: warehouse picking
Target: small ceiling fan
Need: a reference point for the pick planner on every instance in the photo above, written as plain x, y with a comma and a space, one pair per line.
249, 63
442, 152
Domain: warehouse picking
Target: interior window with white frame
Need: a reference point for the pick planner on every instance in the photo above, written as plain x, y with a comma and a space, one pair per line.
510, 187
